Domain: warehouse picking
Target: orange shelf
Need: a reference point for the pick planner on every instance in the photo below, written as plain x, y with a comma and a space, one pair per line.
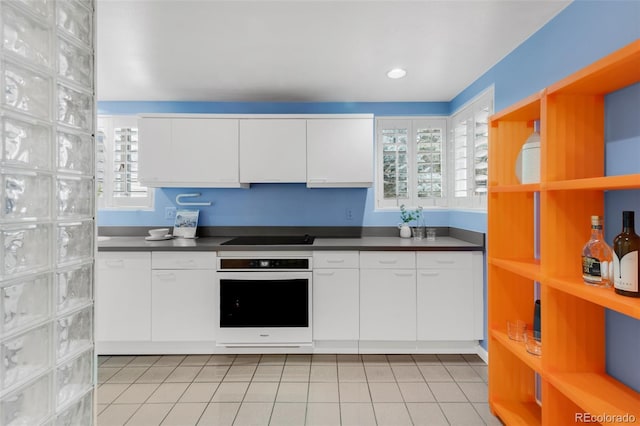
519, 350
572, 168
518, 413
529, 187
598, 394
605, 297
596, 183
529, 268
611, 73
527, 109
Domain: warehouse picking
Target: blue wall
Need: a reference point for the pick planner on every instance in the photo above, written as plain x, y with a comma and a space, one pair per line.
622, 136
277, 204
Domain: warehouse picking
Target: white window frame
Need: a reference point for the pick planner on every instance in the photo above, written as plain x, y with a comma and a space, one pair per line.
468, 112
412, 124
472, 200
106, 200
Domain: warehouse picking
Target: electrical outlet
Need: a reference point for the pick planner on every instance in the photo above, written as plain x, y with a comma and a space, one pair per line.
169, 213
348, 213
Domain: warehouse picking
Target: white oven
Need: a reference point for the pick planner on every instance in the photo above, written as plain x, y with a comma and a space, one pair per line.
264, 299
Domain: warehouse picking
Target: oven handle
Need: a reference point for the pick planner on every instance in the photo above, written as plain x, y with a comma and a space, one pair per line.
265, 275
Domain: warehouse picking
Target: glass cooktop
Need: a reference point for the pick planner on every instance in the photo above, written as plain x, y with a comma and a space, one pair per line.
268, 240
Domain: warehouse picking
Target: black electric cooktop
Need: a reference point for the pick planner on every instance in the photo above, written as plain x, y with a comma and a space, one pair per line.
266, 240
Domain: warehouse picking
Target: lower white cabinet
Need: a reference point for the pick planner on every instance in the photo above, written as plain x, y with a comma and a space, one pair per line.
183, 296
388, 296
183, 303
335, 295
449, 296
123, 297
165, 302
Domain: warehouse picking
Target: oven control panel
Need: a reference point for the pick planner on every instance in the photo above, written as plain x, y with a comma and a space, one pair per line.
227, 264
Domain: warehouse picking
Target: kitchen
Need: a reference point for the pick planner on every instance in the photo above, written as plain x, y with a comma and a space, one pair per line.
544, 58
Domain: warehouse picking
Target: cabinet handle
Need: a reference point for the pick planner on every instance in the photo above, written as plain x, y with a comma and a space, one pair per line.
185, 262
166, 276
335, 260
325, 274
429, 274
318, 180
403, 274
445, 261
388, 262
119, 263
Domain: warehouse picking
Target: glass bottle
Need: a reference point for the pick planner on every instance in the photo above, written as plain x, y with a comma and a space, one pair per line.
625, 258
597, 257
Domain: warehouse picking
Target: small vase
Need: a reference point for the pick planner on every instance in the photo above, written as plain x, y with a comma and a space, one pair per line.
405, 231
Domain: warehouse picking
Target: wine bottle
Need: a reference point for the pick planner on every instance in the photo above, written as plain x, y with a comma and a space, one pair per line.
625, 258
597, 257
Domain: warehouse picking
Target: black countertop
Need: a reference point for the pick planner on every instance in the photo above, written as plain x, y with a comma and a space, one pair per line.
448, 239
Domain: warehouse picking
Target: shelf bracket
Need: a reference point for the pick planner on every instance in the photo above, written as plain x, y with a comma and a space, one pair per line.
179, 201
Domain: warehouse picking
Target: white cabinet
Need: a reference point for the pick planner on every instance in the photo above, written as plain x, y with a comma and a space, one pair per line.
273, 150
335, 295
449, 296
183, 296
387, 296
123, 297
197, 152
340, 152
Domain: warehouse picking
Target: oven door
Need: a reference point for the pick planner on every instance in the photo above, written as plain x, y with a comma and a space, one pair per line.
264, 308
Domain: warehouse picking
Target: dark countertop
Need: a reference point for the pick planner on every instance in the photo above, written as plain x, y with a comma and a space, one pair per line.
138, 243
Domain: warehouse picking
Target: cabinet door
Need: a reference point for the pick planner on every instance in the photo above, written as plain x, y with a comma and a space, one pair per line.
273, 150
123, 297
154, 150
335, 304
445, 299
387, 304
340, 152
204, 151
450, 295
183, 305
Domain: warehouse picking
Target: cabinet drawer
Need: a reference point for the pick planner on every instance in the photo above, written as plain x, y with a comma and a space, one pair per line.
183, 260
123, 260
387, 260
335, 259
444, 260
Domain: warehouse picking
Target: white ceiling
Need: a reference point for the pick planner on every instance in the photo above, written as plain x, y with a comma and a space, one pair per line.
304, 50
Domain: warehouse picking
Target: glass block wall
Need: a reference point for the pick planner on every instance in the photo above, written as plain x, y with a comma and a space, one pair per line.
47, 216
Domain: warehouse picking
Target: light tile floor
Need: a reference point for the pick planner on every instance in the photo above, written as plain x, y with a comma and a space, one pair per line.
296, 390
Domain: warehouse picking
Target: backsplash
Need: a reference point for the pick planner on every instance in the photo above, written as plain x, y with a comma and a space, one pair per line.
271, 205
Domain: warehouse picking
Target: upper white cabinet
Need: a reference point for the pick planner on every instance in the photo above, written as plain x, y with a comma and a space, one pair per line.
223, 150
340, 152
273, 150
197, 152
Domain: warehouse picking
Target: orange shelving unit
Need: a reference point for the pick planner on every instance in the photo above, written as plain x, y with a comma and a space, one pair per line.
572, 365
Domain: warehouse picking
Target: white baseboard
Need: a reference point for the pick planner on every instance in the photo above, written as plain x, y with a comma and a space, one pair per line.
482, 353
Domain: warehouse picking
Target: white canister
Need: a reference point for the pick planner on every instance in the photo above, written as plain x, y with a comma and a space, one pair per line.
528, 167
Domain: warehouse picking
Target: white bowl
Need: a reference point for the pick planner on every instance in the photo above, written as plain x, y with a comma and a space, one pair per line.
158, 233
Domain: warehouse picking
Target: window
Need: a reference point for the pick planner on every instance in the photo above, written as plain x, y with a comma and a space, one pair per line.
469, 147
411, 158
117, 164
422, 163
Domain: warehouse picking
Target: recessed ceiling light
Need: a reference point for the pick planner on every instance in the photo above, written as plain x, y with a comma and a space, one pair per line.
396, 73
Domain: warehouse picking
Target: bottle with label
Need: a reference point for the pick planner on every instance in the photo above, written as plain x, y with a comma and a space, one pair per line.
625, 258
597, 257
